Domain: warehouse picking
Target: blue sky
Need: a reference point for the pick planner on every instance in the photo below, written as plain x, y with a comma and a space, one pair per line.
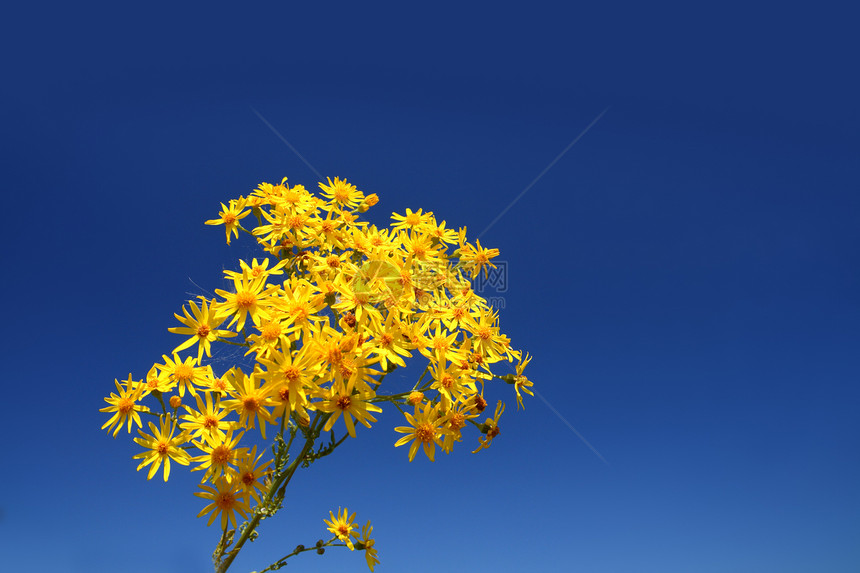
686, 275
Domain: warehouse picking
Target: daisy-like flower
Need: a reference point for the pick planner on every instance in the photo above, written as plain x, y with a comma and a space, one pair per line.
158, 381
289, 374
218, 454
229, 217
352, 404
245, 302
251, 400
521, 383
227, 499
412, 220
451, 382
424, 431
185, 373
365, 542
475, 258
250, 473
123, 405
202, 328
162, 446
257, 270
341, 194
490, 428
206, 420
342, 526
457, 419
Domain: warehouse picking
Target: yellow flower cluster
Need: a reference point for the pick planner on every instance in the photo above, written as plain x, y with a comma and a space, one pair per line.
335, 306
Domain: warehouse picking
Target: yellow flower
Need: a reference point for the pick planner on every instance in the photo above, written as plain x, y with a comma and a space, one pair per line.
452, 382
457, 421
218, 453
185, 373
250, 399
162, 446
412, 220
201, 328
521, 383
341, 195
250, 474
158, 381
289, 374
207, 419
350, 403
366, 543
486, 338
123, 405
226, 497
342, 527
424, 431
244, 302
490, 428
229, 217
473, 259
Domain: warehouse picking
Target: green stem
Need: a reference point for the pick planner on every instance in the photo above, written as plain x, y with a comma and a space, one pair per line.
301, 549
283, 480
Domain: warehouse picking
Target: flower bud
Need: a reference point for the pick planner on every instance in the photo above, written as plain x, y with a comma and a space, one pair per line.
175, 401
299, 548
415, 397
320, 550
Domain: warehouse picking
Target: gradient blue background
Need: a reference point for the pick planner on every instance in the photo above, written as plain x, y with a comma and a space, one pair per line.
686, 276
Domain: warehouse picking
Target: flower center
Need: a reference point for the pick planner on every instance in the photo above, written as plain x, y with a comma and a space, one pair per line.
229, 218
210, 422
341, 193
343, 402
225, 500
203, 331
245, 299
271, 332
248, 478
298, 311
125, 405
183, 373
335, 356
163, 447
292, 373
251, 404
424, 432
220, 455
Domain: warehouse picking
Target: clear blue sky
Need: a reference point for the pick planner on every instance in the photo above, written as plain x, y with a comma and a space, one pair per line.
686, 276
